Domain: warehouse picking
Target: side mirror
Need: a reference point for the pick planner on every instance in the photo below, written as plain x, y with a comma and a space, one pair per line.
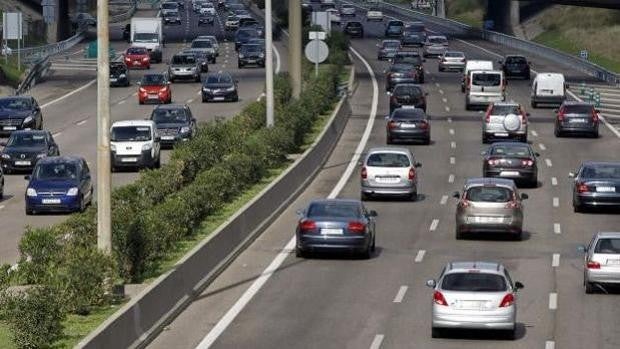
27, 177
524, 196
373, 213
518, 285
387, 117
417, 165
537, 154
456, 195
582, 249
597, 111
431, 283
571, 175
483, 153
168, 82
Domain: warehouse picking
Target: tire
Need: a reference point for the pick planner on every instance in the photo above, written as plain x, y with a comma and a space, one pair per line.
197, 79
595, 134
485, 139
239, 66
374, 244
509, 334
389, 140
557, 132
300, 253
236, 99
204, 100
467, 106
82, 204
534, 104
413, 196
367, 253
158, 162
365, 197
140, 102
518, 236
588, 287
29, 212
533, 183
436, 332
426, 141
577, 208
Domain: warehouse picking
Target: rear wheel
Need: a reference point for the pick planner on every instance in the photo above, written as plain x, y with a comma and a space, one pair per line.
518, 236
459, 235
374, 245
389, 140
29, 212
299, 253
413, 196
365, 197
509, 334
426, 141
367, 253
588, 287
595, 134
557, 133
534, 104
485, 139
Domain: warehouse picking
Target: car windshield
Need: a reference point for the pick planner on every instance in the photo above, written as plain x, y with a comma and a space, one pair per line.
136, 51
170, 116
334, 209
485, 79
396, 24
473, 282
55, 171
26, 140
438, 40
516, 60
183, 59
219, 79
171, 14
15, 103
145, 37
489, 194
232, 18
152, 80
391, 44
511, 150
416, 27
374, 9
409, 59
388, 160
354, 24
454, 54
505, 109
117, 69
131, 134
202, 44
251, 48
412, 91
602, 172
408, 114
608, 246
244, 34
401, 67
578, 109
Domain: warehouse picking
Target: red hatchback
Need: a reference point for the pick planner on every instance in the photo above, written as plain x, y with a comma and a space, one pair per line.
137, 57
154, 88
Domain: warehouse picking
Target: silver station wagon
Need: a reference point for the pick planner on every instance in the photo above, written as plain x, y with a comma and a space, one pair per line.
601, 261
389, 172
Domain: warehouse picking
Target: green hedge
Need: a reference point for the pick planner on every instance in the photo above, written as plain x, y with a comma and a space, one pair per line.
164, 207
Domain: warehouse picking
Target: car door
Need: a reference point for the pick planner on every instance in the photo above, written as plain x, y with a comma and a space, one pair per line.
86, 185
192, 121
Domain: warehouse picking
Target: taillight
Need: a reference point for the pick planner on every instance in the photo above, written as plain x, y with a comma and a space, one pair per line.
593, 265
364, 173
582, 188
508, 300
561, 115
356, 227
594, 115
423, 125
512, 204
128, 59
487, 116
307, 225
464, 203
412, 174
528, 163
493, 162
438, 298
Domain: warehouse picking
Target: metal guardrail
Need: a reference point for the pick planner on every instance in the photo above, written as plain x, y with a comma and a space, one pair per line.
457, 28
30, 53
38, 71
127, 15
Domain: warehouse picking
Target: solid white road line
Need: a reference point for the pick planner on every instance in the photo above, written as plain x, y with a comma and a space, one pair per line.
452, 160
549, 345
557, 228
56, 134
548, 162
444, 200
553, 301
555, 260
400, 294
542, 146
554, 181
437, 84
80, 89
445, 100
556, 202
453, 145
376, 343
434, 225
189, 101
247, 296
451, 178
419, 256
80, 123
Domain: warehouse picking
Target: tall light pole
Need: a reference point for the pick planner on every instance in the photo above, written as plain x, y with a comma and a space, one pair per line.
104, 219
269, 64
294, 49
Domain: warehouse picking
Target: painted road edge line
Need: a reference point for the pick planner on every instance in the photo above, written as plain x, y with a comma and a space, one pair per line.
376, 342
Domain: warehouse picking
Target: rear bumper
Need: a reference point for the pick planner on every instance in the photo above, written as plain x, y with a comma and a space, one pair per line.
252, 61
451, 66
306, 242
548, 99
473, 99
502, 321
522, 173
602, 276
389, 191
598, 199
515, 226
420, 134
578, 128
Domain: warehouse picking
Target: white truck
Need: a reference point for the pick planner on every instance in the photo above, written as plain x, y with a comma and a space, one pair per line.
148, 33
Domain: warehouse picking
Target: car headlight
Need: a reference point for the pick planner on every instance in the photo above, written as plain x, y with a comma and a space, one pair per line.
28, 120
185, 129
113, 147
31, 192
193, 69
206, 89
147, 146
163, 89
72, 191
241, 55
122, 76
41, 156
262, 55
232, 88
6, 156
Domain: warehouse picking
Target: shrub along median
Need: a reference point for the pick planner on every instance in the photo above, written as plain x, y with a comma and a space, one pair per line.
65, 274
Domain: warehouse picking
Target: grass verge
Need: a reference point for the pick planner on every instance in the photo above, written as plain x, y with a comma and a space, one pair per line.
11, 72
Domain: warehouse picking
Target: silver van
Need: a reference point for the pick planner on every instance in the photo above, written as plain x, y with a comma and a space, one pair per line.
486, 86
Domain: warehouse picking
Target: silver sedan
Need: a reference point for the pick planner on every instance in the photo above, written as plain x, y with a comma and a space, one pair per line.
601, 261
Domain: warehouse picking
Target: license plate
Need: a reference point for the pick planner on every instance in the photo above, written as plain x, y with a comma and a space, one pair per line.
153, 97
500, 134
129, 159
167, 138
22, 163
606, 189
113, 80
218, 98
471, 304
509, 173
331, 232
486, 219
9, 128
613, 262
577, 121
136, 63
50, 201
251, 61
408, 125
387, 179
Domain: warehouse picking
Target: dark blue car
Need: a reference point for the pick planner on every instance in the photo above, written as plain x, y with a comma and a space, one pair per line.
59, 184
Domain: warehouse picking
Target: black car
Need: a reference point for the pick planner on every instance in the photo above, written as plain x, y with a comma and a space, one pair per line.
400, 73
597, 184
219, 87
119, 74
206, 18
515, 66
408, 123
24, 148
408, 95
394, 28
243, 35
414, 58
175, 123
354, 29
336, 225
576, 118
18, 113
251, 54
203, 58
512, 160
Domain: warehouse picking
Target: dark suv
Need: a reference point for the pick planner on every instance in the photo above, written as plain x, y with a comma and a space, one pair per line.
219, 87
515, 66
251, 54
119, 74
25, 147
354, 29
175, 123
18, 113
408, 95
414, 58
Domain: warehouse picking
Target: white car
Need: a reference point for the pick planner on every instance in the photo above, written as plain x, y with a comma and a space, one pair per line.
134, 144
207, 8
374, 14
232, 23
197, 4
213, 40
334, 15
347, 10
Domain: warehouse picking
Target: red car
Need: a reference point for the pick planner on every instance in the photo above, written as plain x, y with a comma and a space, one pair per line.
137, 57
154, 88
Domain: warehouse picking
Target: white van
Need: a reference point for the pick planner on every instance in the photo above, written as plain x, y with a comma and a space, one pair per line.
549, 88
134, 144
474, 65
485, 86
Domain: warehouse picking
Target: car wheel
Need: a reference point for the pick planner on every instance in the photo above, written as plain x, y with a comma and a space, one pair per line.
595, 134
588, 287
158, 162
299, 253
436, 332
459, 235
510, 334
426, 141
485, 139
374, 244
413, 196
367, 253
389, 140
171, 79
140, 101
236, 99
82, 204
204, 100
534, 104
29, 212
557, 132
518, 236
239, 65
462, 89
577, 208
365, 197
534, 182
422, 80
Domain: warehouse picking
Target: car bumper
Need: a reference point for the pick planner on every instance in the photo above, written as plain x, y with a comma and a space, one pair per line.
598, 199
389, 191
156, 98
169, 140
484, 100
252, 61
66, 204
578, 128
412, 134
184, 75
145, 159
228, 96
548, 99
601, 276
386, 55
306, 242
511, 173
11, 165
118, 81
355, 33
497, 321
515, 226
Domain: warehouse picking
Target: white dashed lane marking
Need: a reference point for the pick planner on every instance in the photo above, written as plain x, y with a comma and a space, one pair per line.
554, 181
400, 294
556, 202
444, 200
451, 131
448, 109
376, 343
449, 118
534, 133
453, 145
80, 123
555, 260
549, 345
542, 146
121, 102
434, 225
557, 228
548, 162
553, 301
441, 92
451, 178
452, 160
419, 256
445, 100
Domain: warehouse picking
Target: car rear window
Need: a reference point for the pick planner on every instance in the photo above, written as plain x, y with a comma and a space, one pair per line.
505, 109
396, 24
476, 282
388, 160
437, 40
202, 44
412, 91
577, 109
136, 51
486, 79
516, 60
334, 209
391, 44
510, 150
609, 246
489, 194
408, 114
602, 171
454, 54
401, 67
183, 59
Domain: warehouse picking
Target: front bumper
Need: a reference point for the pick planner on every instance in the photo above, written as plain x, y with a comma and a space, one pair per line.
548, 99
144, 159
19, 165
357, 33
410, 134
159, 97
315, 242
63, 203
252, 61
170, 140
219, 96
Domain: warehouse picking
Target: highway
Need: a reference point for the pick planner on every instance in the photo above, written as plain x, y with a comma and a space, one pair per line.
333, 302
68, 102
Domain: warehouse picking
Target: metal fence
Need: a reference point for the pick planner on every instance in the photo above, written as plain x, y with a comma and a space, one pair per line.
456, 28
126, 15
37, 72
34, 53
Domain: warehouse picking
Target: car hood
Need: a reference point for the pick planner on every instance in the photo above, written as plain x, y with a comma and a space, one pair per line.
56, 185
217, 86
171, 125
24, 150
8, 113
153, 88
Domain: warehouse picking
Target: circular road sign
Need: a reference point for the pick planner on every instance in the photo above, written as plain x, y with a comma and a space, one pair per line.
316, 51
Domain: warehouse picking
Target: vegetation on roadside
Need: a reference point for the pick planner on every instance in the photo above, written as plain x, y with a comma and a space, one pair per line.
156, 216
9, 72
466, 11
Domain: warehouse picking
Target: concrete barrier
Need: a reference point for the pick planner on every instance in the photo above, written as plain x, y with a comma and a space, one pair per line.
139, 321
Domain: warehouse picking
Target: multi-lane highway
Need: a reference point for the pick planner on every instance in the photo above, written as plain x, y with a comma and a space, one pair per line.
68, 102
268, 298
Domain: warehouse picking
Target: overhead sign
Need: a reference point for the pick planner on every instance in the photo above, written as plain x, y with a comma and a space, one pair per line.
316, 51
12, 26
317, 35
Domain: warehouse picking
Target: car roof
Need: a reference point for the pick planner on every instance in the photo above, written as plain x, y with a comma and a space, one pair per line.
577, 103
607, 234
60, 159
489, 181
170, 106
549, 76
132, 123
16, 97
595, 163
485, 266
396, 150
